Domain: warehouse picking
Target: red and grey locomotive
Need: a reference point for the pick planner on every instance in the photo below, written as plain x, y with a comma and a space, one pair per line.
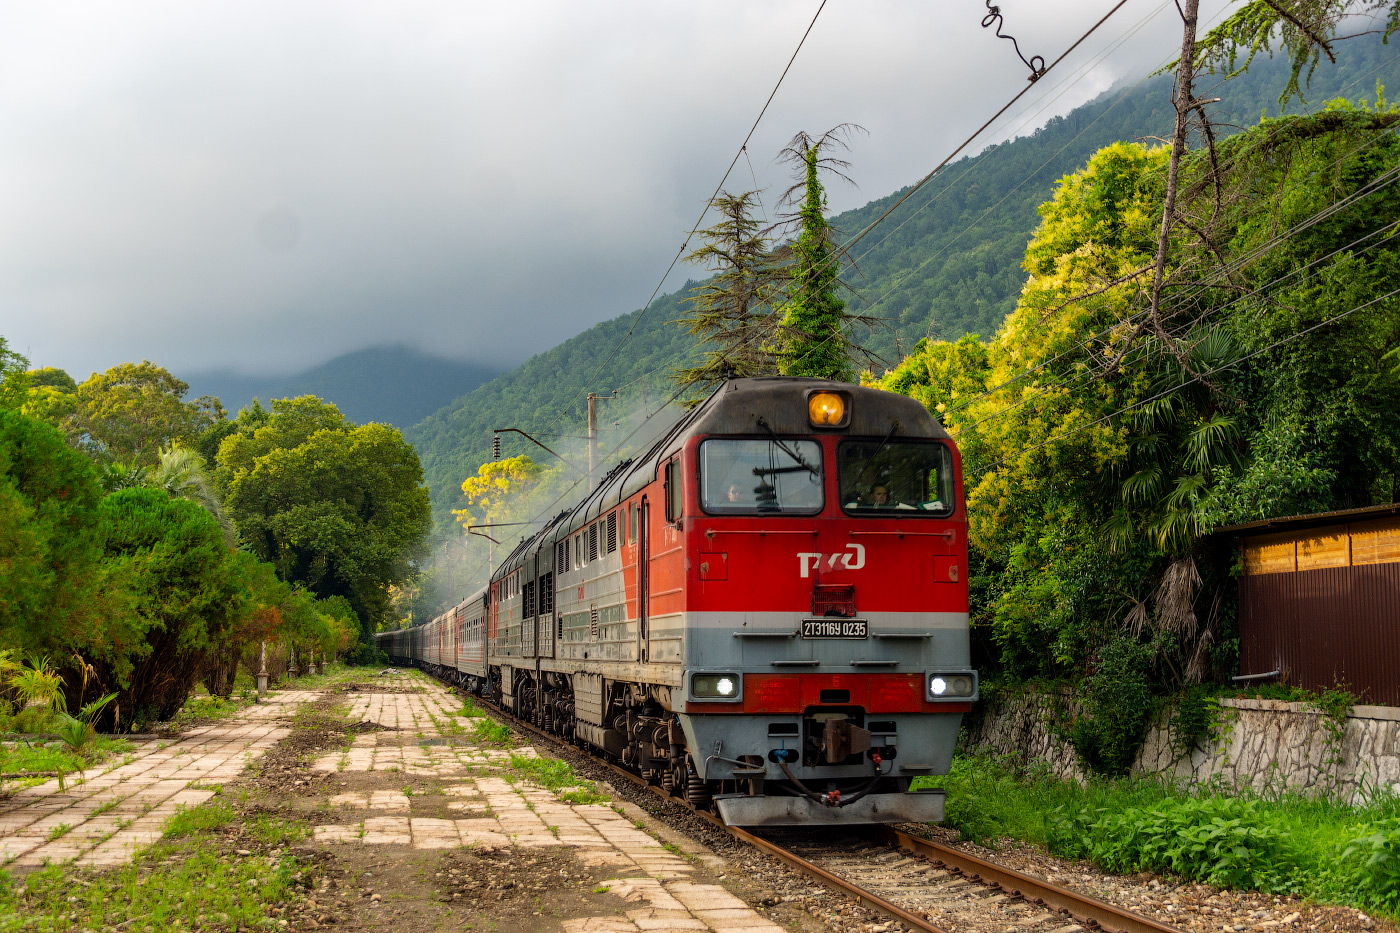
766, 613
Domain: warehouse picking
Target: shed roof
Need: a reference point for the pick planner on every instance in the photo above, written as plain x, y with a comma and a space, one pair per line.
1310, 521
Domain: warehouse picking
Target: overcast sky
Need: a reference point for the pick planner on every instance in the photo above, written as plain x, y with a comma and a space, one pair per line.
261, 186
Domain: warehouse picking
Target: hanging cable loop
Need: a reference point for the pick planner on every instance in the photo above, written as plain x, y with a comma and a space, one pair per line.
993, 19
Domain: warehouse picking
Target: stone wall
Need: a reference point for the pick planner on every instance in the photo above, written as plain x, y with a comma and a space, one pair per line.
1259, 745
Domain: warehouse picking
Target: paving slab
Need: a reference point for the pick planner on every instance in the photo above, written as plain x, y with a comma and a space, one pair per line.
137, 792
494, 805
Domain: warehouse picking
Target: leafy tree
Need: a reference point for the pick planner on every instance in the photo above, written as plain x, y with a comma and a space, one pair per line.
1065, 453
1305, 29
52, 396
14, 383
336, 508
731, 312
180, 598
497, 490
132, 410
815, 340
50, 540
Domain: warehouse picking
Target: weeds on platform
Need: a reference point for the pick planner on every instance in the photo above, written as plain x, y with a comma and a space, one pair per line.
167, 888
206, 816
26, 757
556, 775
189, 880
488, 730
1285, 843
207, 706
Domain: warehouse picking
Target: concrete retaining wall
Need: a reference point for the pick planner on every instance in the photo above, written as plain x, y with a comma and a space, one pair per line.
1261, 745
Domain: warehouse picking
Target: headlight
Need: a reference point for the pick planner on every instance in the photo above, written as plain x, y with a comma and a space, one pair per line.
951, 686
826, 409
715, 686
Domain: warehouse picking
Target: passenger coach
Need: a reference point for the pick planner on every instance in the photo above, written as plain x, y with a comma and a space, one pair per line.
766, 613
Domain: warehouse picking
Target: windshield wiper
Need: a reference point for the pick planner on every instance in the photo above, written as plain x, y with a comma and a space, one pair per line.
803, 464
870, 460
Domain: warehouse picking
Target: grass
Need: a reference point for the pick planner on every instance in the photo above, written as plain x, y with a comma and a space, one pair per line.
1284, 843
470, 710
109, 805
59, 831
487, 730
189, 880
167, 888
556, 775
275, 831
188, 821
20, 757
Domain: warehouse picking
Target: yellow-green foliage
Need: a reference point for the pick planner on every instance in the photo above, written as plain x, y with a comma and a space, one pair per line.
1100, 447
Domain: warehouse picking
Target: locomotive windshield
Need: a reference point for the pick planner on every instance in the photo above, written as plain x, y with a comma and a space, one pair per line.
771, 476
877, 477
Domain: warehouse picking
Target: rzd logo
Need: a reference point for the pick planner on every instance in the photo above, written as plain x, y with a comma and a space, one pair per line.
853, 558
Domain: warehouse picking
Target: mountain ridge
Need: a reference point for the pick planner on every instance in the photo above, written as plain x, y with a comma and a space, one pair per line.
393, 384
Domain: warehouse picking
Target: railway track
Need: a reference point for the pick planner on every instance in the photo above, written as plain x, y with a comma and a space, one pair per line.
920, 883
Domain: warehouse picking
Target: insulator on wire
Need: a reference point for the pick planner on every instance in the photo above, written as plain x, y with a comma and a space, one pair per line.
495, 446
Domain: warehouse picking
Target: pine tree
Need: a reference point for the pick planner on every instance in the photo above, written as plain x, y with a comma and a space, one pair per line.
732, 312
814, 337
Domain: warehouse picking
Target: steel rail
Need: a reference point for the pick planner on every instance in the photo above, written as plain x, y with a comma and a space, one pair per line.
859, 894
1089, 912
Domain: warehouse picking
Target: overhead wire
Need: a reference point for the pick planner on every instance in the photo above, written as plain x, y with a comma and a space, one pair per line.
1381, 182
708, 201
1084, 343
1063, 85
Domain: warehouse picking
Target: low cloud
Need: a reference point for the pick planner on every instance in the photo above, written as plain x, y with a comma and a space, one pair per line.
262, 186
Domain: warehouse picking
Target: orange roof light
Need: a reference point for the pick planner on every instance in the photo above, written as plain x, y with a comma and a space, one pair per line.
826, 409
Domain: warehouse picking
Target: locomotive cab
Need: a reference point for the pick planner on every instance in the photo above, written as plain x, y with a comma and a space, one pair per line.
827, 659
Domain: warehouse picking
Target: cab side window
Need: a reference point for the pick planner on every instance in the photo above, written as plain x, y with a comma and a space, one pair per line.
673, 490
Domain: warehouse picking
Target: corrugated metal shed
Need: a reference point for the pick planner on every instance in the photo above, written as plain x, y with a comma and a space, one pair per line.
1320, 601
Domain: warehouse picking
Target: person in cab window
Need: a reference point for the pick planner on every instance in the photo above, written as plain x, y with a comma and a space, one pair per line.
735, 494
880, 498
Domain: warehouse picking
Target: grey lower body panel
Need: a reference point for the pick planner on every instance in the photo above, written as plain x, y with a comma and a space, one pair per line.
917, 807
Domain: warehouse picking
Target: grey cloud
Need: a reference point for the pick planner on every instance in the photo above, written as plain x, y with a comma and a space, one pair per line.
262, 186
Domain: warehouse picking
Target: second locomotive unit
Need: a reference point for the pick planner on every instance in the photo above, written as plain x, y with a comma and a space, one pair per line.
766, 613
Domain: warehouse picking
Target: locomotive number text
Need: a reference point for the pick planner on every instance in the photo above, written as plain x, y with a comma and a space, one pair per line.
834, 628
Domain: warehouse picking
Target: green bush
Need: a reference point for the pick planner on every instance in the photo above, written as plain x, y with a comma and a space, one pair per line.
1224, 841
1118, 706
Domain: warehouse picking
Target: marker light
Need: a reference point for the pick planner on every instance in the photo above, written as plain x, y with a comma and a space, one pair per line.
715, 686
938, 686
826, 409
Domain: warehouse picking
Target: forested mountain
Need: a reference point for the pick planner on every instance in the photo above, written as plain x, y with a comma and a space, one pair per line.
388, 385
947, 262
